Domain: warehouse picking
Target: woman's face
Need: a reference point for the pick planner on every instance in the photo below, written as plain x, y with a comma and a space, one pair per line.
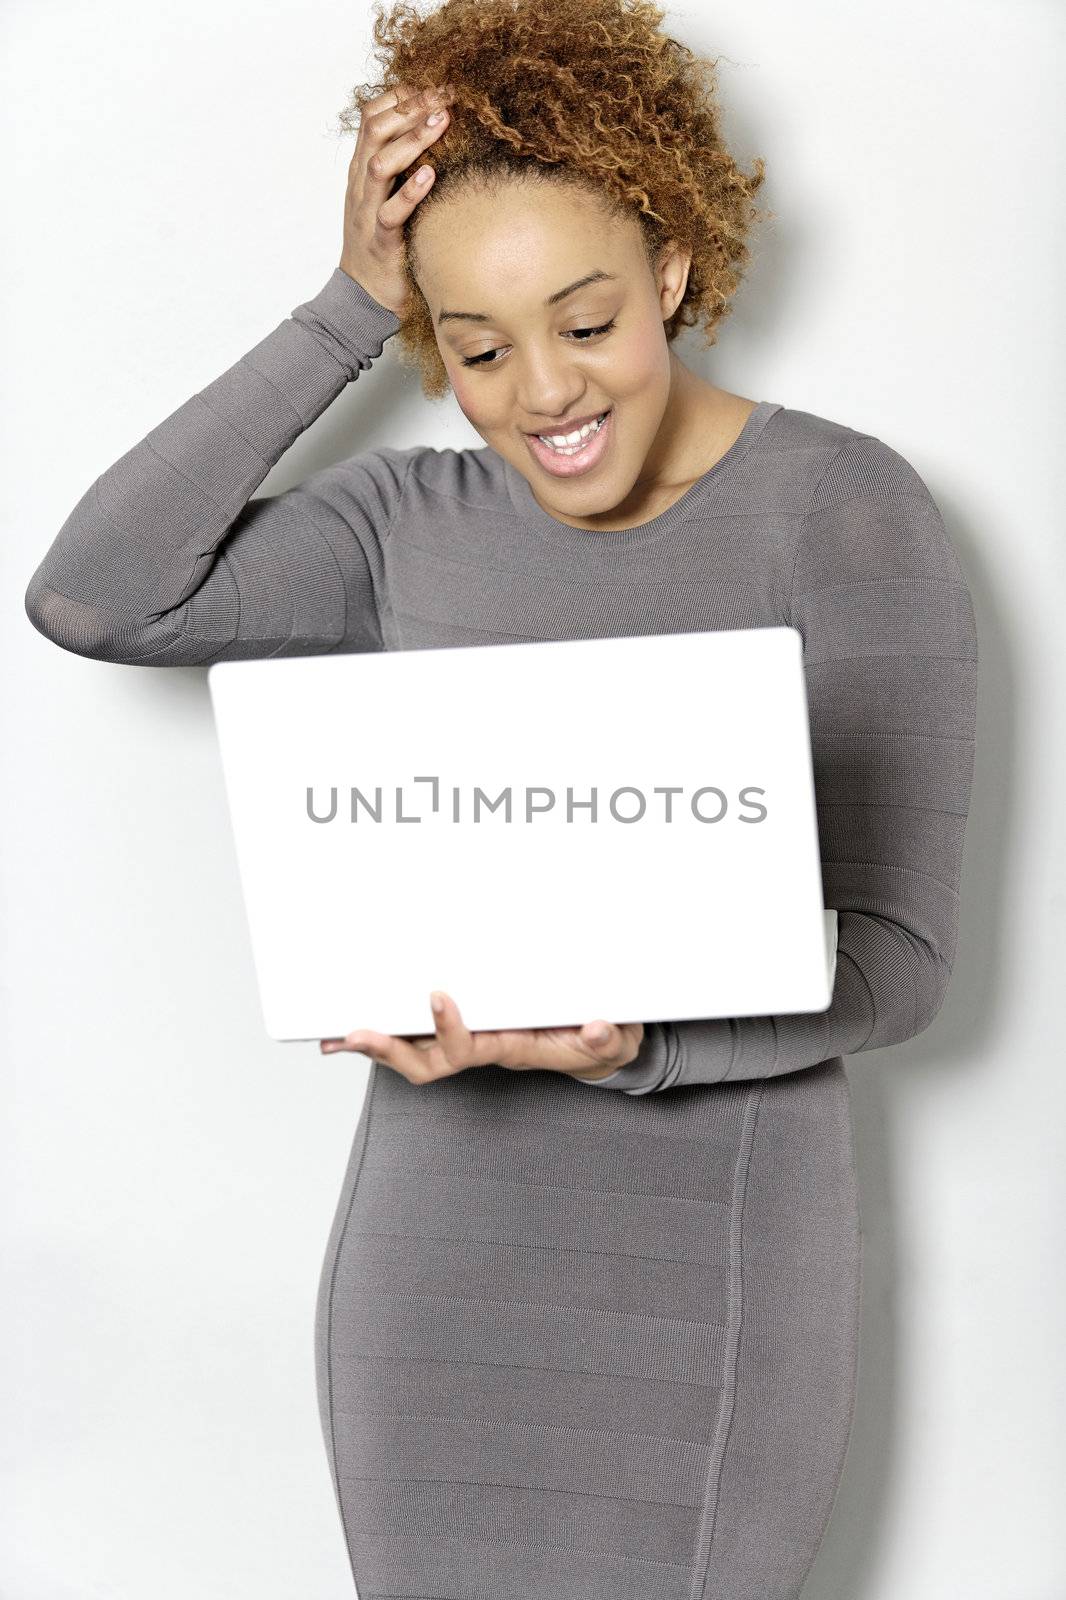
547, 316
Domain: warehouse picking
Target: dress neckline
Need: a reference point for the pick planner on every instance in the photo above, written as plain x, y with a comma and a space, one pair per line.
529, 508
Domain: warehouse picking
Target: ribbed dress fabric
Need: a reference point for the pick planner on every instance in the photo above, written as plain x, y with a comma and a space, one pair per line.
573, 1339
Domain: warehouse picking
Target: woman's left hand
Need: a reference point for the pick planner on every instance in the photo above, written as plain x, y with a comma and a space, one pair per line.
422, 1058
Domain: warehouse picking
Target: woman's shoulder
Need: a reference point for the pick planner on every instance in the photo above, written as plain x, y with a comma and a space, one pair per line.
861, 505
471, 476
827, 462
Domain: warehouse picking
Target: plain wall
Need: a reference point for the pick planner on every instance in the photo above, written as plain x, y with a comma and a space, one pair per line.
173, 187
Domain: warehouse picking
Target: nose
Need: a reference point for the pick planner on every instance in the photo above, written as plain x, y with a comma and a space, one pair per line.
550, 384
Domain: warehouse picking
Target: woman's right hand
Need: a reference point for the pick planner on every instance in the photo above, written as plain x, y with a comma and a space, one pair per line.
393, 132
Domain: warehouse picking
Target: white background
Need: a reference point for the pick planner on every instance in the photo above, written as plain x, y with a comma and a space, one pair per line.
173, 186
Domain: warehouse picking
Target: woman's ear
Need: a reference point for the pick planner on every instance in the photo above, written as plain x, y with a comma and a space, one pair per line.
671, 277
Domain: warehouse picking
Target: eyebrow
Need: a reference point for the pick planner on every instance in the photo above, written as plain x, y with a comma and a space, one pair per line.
553, 299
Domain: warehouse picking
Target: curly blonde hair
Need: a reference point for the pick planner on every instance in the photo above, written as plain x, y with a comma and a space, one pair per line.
586, 92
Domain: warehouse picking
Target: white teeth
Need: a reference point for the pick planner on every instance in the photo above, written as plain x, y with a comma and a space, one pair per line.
568, 443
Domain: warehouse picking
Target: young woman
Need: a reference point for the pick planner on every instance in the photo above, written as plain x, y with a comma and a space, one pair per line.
588, 1319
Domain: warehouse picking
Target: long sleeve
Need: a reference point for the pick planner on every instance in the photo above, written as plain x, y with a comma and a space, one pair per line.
890, 662
167, 560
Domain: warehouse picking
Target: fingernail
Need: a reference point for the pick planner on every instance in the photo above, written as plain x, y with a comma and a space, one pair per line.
436, 1000
599, 1032
438, 116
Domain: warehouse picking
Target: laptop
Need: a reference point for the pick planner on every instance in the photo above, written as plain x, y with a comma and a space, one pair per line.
548, 831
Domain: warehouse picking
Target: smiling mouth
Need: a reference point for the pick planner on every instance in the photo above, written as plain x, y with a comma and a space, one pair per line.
573, 458
568, 441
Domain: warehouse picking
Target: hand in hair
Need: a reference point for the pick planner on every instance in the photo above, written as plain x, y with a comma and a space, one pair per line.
393, 130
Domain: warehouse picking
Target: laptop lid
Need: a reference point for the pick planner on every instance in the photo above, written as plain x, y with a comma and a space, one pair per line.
549, 831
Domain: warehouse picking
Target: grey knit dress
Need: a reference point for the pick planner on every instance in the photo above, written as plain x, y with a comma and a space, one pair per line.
584, 1341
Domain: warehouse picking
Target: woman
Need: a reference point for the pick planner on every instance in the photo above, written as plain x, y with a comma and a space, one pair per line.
586, 1345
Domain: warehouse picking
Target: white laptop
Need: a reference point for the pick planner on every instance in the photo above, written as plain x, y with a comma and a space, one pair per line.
548, 831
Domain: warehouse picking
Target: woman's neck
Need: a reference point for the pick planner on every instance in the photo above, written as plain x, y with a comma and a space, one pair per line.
701, 422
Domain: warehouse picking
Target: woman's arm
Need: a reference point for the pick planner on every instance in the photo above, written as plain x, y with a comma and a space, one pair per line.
890, 660
166, 560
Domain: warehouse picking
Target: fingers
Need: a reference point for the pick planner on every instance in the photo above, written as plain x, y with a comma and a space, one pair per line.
398, 95
486, 1047
420, 1058
389, 97
393, 132
393, 137
410, 1058
452, 1047
455, 1039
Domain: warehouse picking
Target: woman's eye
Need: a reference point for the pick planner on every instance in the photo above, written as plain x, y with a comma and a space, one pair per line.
580, 336
604, 328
